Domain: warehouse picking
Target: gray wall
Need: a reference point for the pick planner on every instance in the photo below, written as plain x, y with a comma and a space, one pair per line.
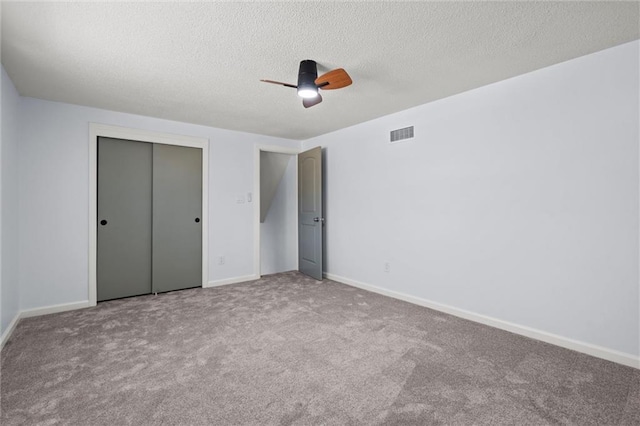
518, 200
9, 235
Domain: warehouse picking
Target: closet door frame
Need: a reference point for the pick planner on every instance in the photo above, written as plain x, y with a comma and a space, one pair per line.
96, 130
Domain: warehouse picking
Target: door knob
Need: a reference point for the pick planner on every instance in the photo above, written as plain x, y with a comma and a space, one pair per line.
318, 219
103, 222
197, 219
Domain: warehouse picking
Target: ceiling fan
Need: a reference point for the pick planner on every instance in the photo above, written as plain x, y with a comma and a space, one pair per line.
309, 82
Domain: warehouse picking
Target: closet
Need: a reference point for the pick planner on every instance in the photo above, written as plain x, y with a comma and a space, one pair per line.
149, 236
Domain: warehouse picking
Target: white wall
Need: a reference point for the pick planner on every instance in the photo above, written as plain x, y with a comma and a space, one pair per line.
518, 200
279, 232
9, 286
54, 167
273, 165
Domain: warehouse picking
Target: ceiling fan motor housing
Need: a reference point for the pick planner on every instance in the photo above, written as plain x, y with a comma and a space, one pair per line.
307, 75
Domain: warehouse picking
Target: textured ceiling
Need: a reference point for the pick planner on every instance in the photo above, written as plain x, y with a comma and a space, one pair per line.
201, 62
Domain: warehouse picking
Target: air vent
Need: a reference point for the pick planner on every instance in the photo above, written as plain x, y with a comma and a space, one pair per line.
401, 134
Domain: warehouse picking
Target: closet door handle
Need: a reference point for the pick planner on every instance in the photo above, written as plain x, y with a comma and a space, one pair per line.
197, 219
103, 222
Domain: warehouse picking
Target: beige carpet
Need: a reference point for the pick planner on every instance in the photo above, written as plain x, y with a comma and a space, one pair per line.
290, 350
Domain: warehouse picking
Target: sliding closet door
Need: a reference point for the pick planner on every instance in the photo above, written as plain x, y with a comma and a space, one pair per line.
177, 217
124, 218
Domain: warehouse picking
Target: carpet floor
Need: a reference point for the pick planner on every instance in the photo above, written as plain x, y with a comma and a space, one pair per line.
287, 349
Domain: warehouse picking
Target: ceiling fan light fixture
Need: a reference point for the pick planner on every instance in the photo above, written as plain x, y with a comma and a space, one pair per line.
307, 92
309, 83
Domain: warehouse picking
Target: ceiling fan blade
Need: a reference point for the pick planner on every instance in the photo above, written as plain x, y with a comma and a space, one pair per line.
280, 83
309, 102
334, 79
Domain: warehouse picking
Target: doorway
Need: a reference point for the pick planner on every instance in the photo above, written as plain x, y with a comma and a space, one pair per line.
277, 200
288, 211
164, 142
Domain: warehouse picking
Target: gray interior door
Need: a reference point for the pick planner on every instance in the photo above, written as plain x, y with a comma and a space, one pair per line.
124, 218
310, 218
177, 217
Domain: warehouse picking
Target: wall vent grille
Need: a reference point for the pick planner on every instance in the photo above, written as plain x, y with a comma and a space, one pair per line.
401, 134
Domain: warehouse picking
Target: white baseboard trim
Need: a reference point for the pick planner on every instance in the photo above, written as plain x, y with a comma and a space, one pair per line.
586, 348
53, 309
9, 331
234, 280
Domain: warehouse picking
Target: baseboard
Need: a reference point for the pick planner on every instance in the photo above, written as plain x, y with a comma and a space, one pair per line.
234, 280
54, 309
586, 348
9, 331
